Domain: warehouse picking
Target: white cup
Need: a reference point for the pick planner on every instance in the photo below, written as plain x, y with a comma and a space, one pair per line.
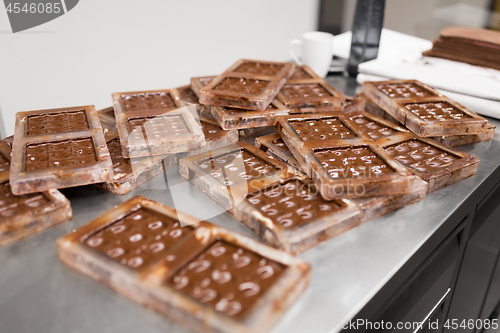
316, 51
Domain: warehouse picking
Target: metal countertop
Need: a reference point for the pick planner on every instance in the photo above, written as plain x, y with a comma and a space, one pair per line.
38, 293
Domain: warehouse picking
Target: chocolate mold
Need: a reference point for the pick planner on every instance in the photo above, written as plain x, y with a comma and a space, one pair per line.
44, 159
274, 146
306, 92
151, 123
232, 118
422, 109
291, 215
448, 140
129, 173
228, 174
29, 213
215, 138
201, 275
435, 163
247, 84
197, 83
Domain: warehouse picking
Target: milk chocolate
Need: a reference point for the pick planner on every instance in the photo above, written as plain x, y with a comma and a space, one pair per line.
228, 174
342, 160
202, 275
274, 146
197, 83
306, 92
108, 123
433, 162
448, 140
155, 123
422, 109
43, 158
471, 45
129, 173
29, 213
291, 215
247, 84
232, 118
374, 126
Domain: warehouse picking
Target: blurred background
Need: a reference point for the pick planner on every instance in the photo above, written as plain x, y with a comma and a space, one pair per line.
101, 47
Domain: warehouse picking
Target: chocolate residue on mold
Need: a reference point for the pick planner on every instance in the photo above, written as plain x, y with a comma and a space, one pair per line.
227, 278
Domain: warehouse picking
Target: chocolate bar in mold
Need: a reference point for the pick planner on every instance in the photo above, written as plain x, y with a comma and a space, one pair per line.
233, 118
435, 163
447, 140
247, 84
422, 109
154, 123
58, 148
291, 214
199, 274
197, 83
274, 145
129, 173
228, 174
306, 92
29, 213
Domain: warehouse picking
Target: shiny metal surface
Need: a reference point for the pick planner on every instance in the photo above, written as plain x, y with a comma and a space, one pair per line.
38, 293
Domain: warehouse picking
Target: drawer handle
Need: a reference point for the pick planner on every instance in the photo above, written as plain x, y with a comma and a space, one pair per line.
438, 304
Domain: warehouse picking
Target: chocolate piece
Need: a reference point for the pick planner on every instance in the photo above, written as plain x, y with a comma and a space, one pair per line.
433, 162
354, 104
29, 213
8, 140
448, 140
246, 132
215, 138
374, 126
228, 174
231, 118
306, 92
150, 123
129, 173
471, 45
108, 123
274, 146
44, 159
340, 158
247, 84
5, 151
201, 275
291, 215
197, 83
422, 109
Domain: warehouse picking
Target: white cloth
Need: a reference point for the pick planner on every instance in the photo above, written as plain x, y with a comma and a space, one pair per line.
477, 88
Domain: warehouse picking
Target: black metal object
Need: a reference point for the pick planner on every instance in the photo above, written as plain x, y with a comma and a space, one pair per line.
366, 30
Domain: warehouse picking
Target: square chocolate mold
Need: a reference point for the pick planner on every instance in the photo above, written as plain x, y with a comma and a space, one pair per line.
215, 137
306, 92
201, 275
129, 173
228, 174
448, 140
274, 146
197, 83
155, 123
354, 104
43, 158
374, 126
343, 162
23, 215
435, 163
247, 84
422, 109
232, 118
291, 215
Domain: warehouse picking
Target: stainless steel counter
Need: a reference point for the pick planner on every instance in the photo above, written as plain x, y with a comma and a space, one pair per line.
40, 294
